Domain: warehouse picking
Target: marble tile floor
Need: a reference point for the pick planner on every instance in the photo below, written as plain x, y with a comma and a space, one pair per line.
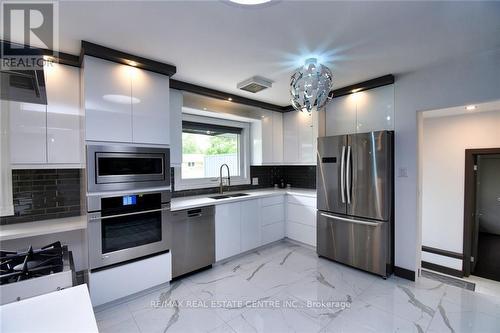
285, 287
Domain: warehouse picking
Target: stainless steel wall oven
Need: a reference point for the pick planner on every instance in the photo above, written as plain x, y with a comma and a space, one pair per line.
127, 226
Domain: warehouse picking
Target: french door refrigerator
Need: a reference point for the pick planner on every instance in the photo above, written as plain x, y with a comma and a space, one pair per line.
355, 180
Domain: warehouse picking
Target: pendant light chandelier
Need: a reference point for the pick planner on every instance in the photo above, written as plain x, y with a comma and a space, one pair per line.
310, 86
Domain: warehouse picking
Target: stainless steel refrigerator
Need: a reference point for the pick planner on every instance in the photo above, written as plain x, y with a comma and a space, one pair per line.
355, 184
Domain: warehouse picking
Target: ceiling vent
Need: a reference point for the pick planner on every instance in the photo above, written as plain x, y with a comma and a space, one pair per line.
255, 84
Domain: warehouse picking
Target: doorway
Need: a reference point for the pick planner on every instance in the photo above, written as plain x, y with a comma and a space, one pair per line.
482, 213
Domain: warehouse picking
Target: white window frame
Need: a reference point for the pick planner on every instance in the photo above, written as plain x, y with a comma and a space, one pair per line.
245, 157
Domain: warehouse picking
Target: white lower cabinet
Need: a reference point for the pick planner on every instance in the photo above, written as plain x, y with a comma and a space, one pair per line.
250, 224
227, 230
301, 219
124, 280
273, 219
273, 232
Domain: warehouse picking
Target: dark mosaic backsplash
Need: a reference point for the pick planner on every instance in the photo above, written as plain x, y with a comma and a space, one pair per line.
41, 194
297, 176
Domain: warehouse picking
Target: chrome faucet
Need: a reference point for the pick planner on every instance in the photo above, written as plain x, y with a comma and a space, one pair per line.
221, 186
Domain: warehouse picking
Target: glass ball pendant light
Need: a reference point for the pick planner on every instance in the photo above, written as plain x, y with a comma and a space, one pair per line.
310, 86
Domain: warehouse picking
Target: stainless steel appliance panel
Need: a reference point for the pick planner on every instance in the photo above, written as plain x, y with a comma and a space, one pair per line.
369, 175
193, 239
330, 174
119, 234
123, 167
360, 243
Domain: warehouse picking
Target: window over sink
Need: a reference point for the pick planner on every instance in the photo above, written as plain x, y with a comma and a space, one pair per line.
207, 143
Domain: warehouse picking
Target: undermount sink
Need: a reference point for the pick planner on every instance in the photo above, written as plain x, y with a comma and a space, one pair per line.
227, 196
218, 197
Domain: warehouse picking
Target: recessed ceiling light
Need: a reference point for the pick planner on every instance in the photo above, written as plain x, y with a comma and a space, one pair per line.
249, 2
470, 107
230, 99
132, 63
355, 90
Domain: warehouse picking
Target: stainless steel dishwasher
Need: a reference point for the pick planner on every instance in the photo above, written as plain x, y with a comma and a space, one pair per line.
193, 239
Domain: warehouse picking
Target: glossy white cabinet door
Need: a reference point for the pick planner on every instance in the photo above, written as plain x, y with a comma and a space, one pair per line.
227, 230
273, 232
64, 144
250, 224
375, 109
291, 137
28, 133
277, 137
306, 137
176, 103
267, 137
108, 100
340, 115
150, 107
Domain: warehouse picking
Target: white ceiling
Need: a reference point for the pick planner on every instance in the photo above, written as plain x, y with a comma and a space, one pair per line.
216, 44
459, 110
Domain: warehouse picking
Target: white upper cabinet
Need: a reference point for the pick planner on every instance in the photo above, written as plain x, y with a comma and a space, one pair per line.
300, 131
277, 133
28, 133
361, 112
64, 140
267, 139
49, 134
125, 104
176, 103
291, 137
375, 109
340, 115
108, 100
150, 107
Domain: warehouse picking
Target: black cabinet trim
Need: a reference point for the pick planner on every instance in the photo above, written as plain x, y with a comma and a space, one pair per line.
404, 273
209, 92
442, 269
107, 53
58, 57
365, 85
445, 253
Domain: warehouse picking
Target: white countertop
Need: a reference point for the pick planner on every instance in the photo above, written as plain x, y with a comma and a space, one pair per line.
206, 200
44, 227
68, 310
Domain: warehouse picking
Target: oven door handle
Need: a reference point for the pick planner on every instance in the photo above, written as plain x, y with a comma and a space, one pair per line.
96, 217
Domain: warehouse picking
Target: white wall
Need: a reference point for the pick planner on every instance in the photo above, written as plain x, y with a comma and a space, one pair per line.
460, 81
443, 167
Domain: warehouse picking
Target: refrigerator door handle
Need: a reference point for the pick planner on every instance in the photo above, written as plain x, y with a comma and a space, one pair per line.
371, 224
342, 175
348, 175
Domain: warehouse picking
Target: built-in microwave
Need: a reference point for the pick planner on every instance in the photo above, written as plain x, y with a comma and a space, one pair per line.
123, 167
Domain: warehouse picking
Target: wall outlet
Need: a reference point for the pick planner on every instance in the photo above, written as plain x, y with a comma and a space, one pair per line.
255, 181
403, 172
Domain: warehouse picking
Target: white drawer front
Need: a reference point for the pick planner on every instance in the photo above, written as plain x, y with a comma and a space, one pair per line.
273, 232
274, 200
302, 233
273, 214
121, 281
300, 200
301, 214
